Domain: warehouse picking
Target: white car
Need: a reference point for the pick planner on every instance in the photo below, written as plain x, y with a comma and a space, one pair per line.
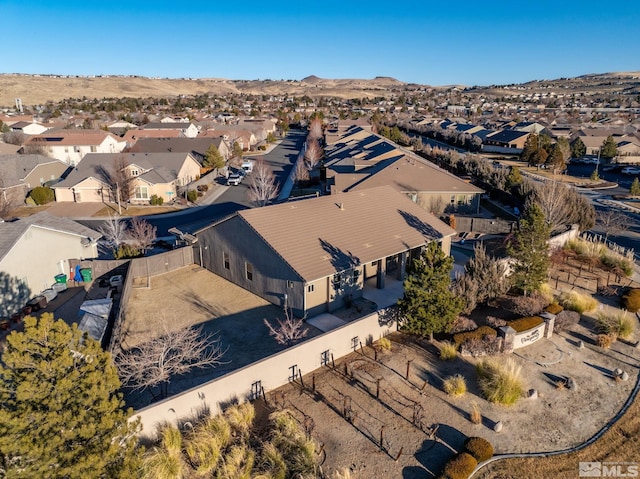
234, 179
630, 170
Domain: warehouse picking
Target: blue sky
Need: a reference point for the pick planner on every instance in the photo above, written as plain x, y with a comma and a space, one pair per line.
437, 43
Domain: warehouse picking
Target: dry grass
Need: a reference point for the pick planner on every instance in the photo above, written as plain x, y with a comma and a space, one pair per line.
455, 385
500, 381
620, 443
384, 344
475, 416
448, 351
578, 302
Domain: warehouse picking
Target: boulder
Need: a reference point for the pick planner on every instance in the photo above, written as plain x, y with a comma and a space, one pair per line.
497, 427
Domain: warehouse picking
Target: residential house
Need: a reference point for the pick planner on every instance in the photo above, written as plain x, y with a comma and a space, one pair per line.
160, 174
628, 151
358, 161
316, 255
188, 130
33, 250
508, 141
28, 128
70, 146
244, 137
21, 173
131, 137
196, 146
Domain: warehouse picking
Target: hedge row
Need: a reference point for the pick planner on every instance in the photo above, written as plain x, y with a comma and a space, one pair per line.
480, 333
526, 323
631, 300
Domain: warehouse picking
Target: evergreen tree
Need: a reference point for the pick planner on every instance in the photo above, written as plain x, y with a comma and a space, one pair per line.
60, 413
428, 305
578, 148
609, 148
213, 158
529, 249
514, 178
530, 148
635, 187
489, 274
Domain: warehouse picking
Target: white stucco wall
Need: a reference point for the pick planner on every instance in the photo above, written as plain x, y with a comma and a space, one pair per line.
41, 254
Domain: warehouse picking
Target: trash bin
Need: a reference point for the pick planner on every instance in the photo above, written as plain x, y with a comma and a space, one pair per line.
61, 278
86, 274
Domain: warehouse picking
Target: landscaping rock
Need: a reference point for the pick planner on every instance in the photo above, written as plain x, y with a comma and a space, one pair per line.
625, 376
497, 427
581, 344
617, 373
532, 394
571, 384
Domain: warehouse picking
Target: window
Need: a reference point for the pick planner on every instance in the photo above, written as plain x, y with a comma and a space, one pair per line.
142, 193
93, 149
337, 281
289, 284
225, 260
311, 288
76, 149
248, 270
453, 199
462, 200
374, 263
135, 172
66, 149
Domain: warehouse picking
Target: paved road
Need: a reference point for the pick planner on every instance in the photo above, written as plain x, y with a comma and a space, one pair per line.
234, 198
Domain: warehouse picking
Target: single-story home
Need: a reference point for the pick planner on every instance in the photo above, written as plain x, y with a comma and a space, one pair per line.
315, 255
33, 250
21, 173
70, 146
157, 174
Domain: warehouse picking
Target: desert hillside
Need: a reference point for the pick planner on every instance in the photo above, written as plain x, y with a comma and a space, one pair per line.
38, 89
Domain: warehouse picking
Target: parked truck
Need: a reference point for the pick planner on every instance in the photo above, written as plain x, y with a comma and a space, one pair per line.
247, 166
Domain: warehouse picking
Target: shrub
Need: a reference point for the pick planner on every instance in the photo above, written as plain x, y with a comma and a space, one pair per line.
156, 200
500, 382
580, 303
479, 333
616, 324
41, 195
495, 322
462, 323
486, 346
125, 251
192, 195
523, 324
479, 448
460, 467
554, 308
605, 341
454, 385
546, 292
527, 305
448, 351
385, 344
202, 188
565, 319
631, 300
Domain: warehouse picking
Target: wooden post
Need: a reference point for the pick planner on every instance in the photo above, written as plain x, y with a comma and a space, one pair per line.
382, 437
375, 354
264, 396
313, 382
399, 454
424, 385
346, 369
300, 374
332, 361
361, 348
408, 366
378, 388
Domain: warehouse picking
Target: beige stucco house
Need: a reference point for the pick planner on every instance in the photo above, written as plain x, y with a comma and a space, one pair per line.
21, 173
314, 255
159, 174
35, 249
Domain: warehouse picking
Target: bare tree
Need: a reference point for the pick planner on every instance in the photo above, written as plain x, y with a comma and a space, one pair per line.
562, 205
302, 174
118, 178
155, 363
288, 330
313, 153
262, 186
9, 200
613, 222
142, 233
114, 231
315, 129
13, 137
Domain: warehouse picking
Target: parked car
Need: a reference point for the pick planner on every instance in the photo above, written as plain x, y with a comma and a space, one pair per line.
630, 170
234, 179
591, 161
247, 167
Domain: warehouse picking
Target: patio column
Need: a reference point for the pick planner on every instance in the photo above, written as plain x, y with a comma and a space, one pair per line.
382, 266
402, 266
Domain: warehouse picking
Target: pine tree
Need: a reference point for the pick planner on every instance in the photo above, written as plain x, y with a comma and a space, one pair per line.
635, 187
578, 148
529, 250
609, 148
428, 305
213, 158
60, 413
488, 273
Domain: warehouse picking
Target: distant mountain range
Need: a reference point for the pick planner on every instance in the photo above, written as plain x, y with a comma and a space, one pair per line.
38, 89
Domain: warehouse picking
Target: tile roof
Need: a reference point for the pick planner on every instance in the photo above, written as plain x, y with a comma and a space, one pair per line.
73, 137
167, 126
12, 231
198, 145
320, 236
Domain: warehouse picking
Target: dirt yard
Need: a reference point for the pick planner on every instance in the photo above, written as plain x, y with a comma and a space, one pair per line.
349, 419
